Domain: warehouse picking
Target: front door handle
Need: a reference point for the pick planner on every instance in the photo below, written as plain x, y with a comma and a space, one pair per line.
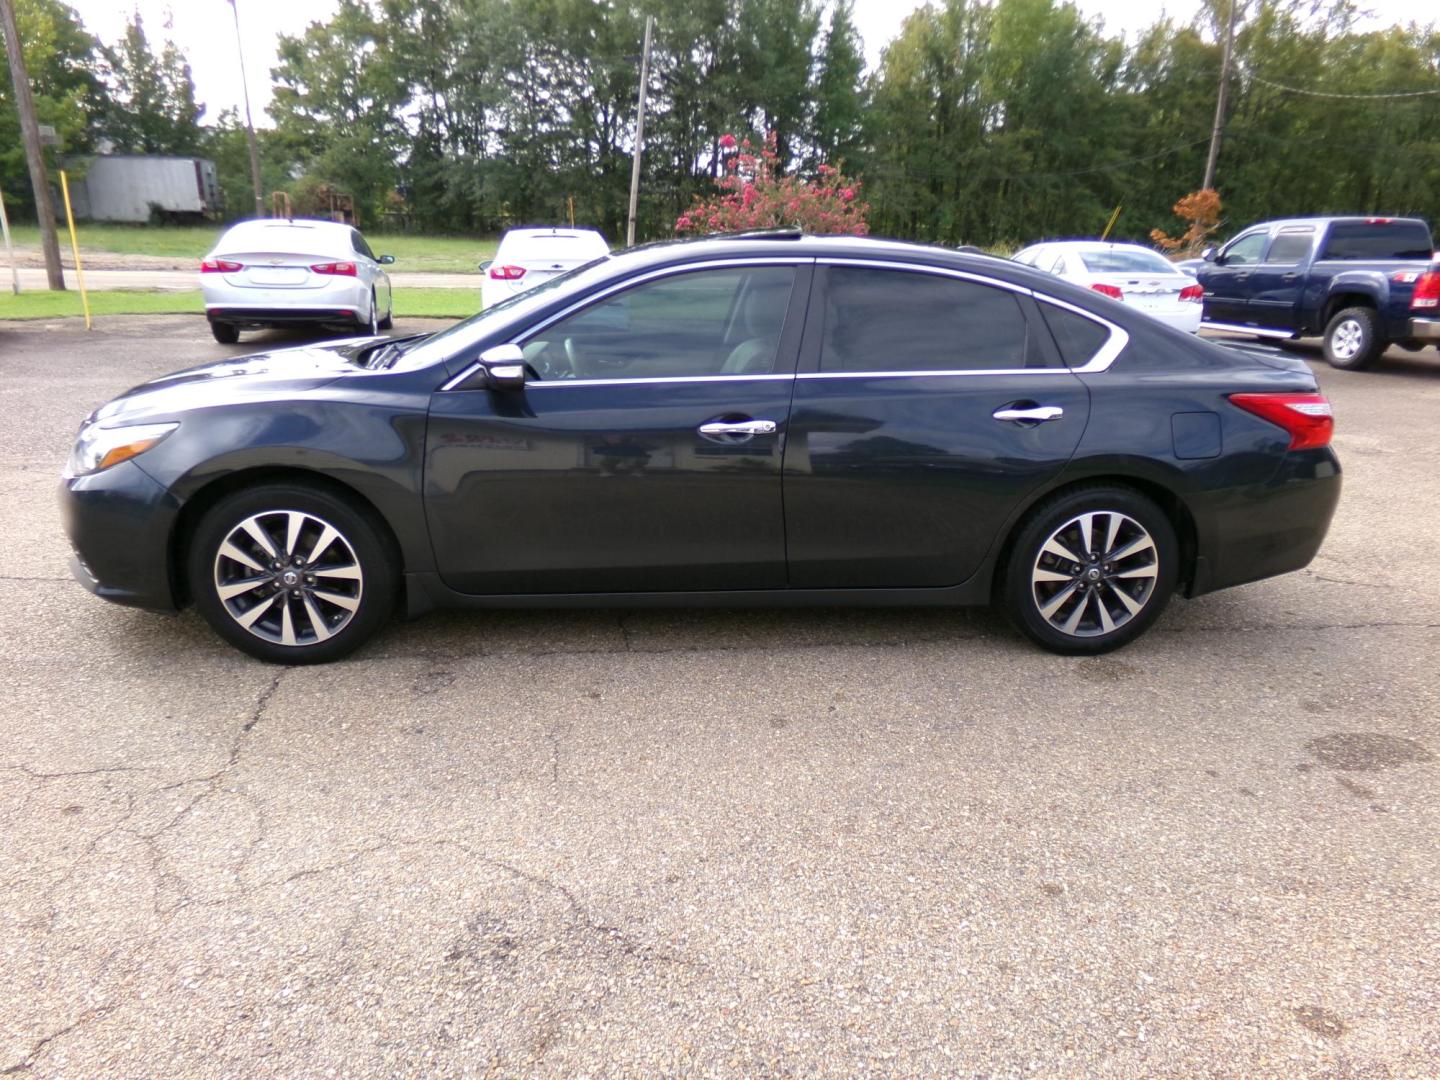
1034, 414
1290, 277
737, 431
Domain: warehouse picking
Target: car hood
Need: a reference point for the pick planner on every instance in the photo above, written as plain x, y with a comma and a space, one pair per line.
280, 373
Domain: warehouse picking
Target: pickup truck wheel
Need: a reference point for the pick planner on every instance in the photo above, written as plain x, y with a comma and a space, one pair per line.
1352, 340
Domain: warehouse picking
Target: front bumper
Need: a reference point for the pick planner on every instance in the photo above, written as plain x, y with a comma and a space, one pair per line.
1273, 528
1426, 330
119, 523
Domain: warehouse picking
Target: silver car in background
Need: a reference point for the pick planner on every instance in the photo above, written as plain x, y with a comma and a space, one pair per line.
280, 273
526, 257
1137, 276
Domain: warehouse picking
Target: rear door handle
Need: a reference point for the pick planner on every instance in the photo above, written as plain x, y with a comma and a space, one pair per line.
736, 431
1033, 414
1290, 277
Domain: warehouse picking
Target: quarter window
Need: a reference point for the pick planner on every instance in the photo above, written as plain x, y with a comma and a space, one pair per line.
894, 320
1078, 338
708, 322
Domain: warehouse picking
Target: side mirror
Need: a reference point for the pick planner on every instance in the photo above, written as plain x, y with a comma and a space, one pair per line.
504, 367
1209, 255
386, 260
487, 264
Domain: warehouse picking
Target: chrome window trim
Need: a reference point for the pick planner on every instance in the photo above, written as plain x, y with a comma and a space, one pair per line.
1100, 361
620, 286
1108, 352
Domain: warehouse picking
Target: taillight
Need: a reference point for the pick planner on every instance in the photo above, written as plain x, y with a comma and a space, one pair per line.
1307, 417
1426, 296
1193, 293
340, 269
220, 266
507, 273
1111, 291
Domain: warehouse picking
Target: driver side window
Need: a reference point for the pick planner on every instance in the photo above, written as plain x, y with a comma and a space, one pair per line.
1246, 250
707, 322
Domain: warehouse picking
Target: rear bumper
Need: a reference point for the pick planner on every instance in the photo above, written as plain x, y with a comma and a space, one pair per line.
1426, 330
1186, 318
238, 315
1267, 529
119, 523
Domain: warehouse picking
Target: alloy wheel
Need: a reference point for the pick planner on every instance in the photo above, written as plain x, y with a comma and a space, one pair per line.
288, 577
1094, 573
1347, 339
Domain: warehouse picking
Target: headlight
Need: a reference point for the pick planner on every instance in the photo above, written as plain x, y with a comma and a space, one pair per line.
98, 448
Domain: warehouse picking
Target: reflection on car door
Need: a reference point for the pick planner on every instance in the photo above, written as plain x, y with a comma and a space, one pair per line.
645, 457
898, 471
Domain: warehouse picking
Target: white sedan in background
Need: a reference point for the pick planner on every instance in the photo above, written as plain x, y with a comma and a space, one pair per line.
1132, 274
526, 257
279, 273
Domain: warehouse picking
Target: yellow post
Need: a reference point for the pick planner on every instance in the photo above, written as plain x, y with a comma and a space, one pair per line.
572, 211
75, 247
1111, 223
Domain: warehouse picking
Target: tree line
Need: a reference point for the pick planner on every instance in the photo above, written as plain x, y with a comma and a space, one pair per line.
985, 121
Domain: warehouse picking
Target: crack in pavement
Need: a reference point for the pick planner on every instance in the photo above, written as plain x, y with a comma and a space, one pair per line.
27, 1063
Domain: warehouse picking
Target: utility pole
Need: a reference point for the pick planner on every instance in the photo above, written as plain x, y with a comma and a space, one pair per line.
34, 155
1215, 132
249, 122
639, 132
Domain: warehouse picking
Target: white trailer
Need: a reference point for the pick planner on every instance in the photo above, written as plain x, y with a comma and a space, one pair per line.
138, 187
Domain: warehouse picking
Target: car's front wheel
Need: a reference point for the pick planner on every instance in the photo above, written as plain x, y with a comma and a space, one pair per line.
291, 574
1090, 570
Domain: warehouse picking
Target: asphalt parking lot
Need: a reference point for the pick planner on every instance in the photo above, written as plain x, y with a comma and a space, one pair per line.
724, 843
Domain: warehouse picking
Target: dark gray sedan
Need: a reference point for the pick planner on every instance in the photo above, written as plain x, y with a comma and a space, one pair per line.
771, 419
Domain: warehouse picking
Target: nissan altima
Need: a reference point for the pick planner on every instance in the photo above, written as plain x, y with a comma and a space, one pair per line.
763, 419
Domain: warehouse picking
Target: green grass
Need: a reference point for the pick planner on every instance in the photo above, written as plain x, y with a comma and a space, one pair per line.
413, 254
409, 303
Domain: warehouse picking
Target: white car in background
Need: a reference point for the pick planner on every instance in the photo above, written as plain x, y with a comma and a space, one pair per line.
280, 273
526, 257
1132, 274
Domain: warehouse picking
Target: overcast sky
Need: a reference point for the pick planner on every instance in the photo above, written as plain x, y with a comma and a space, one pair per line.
204, 31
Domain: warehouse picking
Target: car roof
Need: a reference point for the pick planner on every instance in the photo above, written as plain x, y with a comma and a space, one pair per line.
1334, 219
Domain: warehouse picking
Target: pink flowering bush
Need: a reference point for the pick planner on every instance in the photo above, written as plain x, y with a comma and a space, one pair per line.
754, 195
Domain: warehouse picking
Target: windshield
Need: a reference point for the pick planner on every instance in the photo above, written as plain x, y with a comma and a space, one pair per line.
463, 334
1125, 262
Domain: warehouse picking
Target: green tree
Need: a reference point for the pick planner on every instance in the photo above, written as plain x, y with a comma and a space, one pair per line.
838, 91
62, 60
152, 107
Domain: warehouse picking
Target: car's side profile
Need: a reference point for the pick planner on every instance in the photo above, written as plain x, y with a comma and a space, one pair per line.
281, 272
732, 421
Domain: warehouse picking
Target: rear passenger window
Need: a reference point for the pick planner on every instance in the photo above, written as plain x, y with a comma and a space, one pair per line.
894, 320
1079, 338
1290, 248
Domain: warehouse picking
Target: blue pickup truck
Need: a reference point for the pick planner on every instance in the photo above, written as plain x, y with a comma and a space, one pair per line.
1360, 283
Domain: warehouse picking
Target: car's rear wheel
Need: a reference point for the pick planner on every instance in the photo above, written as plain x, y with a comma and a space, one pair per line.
291, 574
225, 333
373, 327
1352, 339
1090, 570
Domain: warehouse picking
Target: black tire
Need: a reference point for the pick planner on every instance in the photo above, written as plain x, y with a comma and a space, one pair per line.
361, 592
225, 333
1023, 595
388, 322
1353, 339
373, 326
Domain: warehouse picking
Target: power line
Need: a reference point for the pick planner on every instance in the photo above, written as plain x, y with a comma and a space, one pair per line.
1343, 97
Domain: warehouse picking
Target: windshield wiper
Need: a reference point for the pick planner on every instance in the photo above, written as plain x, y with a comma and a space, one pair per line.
385, 353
